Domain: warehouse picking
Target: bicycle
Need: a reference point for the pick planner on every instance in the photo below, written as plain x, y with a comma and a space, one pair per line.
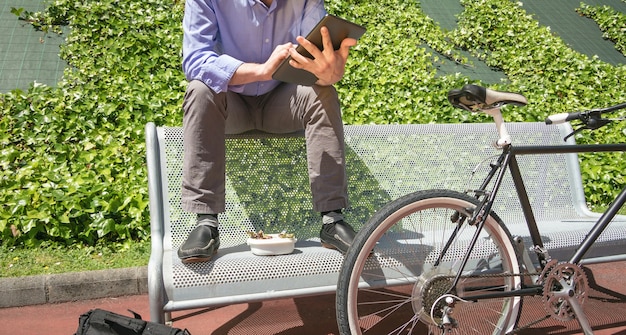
462, 271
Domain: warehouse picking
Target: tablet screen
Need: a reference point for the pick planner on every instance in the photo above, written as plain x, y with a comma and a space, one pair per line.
339, 30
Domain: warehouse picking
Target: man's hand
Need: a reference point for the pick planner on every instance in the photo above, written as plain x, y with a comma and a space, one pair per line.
328, 65
252, 72
278, 55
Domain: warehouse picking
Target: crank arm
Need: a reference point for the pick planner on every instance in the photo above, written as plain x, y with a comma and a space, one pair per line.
567, 294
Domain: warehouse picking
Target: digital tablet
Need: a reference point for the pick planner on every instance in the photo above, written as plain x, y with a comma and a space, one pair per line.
339, 30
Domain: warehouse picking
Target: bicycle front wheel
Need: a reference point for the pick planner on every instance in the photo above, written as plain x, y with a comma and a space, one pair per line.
395, 277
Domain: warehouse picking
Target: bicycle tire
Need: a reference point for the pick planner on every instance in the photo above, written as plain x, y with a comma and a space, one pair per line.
388, 278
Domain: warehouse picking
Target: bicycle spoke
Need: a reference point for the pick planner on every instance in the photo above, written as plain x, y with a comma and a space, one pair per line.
404, 285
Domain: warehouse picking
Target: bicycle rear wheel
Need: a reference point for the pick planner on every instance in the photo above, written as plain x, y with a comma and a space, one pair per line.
389, 282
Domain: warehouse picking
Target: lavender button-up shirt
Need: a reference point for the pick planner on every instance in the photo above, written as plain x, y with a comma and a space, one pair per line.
220, 35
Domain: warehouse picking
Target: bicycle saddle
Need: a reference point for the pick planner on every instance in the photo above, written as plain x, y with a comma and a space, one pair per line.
473, 97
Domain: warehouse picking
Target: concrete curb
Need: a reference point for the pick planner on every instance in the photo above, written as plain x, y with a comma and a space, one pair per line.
34, 290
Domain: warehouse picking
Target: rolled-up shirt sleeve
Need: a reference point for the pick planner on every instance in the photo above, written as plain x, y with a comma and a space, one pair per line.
201, 57
220, 36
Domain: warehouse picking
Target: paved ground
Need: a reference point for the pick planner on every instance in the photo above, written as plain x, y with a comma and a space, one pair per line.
606, 308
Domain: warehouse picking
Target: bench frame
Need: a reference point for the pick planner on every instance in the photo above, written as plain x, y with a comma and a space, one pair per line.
313, 270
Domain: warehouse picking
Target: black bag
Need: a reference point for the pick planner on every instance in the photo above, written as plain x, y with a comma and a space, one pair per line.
101, 322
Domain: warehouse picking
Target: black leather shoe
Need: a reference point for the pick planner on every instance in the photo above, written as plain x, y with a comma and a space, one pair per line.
338, 235
201, 244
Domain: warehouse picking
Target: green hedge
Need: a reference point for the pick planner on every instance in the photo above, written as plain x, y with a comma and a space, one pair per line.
72, 168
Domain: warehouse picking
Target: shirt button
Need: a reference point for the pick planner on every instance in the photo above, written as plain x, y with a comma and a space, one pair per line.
267, 40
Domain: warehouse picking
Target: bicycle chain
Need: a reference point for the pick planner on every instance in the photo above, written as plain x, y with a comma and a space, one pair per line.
428, 299
496, 275
545, 278
433, 288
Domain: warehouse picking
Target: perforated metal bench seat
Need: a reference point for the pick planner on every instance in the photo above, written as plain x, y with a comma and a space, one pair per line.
267, 189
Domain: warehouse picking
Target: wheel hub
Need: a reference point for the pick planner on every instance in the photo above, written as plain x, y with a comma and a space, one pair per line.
426, 293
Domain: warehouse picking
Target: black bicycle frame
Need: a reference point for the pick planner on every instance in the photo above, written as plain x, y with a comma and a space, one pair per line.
600, 224
507, 159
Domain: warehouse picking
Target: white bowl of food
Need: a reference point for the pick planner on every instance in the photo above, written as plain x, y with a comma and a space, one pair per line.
271, 244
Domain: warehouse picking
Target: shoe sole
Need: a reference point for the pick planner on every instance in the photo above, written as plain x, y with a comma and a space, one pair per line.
197, 259
191, 260
330, 246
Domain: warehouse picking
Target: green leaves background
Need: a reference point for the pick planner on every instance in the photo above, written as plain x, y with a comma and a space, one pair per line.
72, 164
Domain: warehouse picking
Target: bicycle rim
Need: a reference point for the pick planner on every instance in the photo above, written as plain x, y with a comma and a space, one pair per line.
389, 285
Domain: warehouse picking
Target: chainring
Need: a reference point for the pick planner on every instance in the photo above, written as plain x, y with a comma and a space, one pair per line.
559, 280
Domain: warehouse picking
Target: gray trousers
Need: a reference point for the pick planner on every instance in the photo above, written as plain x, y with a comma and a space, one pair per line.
208, 116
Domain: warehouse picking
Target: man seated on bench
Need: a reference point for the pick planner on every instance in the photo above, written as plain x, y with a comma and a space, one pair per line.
230, 50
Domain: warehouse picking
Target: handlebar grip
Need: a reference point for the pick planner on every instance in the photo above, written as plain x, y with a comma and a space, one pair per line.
562, 117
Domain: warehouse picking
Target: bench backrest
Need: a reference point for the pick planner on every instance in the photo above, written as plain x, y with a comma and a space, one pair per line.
267, 183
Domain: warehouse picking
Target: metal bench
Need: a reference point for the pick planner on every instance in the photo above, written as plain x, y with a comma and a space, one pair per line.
267, 189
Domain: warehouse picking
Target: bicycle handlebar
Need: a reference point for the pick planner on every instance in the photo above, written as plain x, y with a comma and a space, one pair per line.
562, 117
590, 119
